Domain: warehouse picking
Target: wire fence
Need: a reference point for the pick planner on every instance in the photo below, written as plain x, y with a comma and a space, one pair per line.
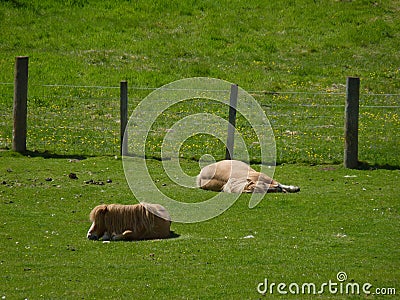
308, 127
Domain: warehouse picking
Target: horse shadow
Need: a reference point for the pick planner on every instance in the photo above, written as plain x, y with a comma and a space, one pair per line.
366, 166
173, 235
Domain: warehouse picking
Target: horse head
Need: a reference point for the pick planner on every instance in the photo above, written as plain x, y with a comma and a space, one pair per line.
98, 227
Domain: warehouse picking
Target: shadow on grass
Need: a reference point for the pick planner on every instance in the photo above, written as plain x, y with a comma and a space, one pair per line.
47, 154
6, 152
362, 165
44, 154
173, 235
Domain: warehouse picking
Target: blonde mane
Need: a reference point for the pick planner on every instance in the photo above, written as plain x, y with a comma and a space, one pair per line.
123, 217
117, 218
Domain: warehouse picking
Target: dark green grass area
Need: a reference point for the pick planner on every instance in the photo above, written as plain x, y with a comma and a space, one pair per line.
259, 45
342, 220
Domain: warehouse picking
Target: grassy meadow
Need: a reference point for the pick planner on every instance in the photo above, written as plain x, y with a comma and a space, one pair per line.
260, 45
341, 221
293, 57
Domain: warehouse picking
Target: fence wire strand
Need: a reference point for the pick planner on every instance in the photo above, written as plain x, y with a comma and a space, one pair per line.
308, 126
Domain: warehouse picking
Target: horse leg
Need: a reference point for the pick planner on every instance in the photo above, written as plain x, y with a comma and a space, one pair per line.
289, 188
275, 189
117, 237
105, 237
127, 235
215, 185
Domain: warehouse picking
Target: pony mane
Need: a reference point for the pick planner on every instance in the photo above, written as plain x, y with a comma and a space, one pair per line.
119, 218
96, 212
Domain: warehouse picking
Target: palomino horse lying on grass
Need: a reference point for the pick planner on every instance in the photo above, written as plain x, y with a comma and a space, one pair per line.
129, 222
233, 176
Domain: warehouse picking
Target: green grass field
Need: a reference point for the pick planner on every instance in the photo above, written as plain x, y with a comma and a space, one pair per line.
342, 220
292, 56
259, 45
86, 48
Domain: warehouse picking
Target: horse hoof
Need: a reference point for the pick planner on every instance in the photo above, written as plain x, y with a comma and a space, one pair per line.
293, 189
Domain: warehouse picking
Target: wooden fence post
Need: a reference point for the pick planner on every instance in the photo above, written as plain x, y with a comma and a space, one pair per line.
124, 116
20, 103
351, 123
232, 121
